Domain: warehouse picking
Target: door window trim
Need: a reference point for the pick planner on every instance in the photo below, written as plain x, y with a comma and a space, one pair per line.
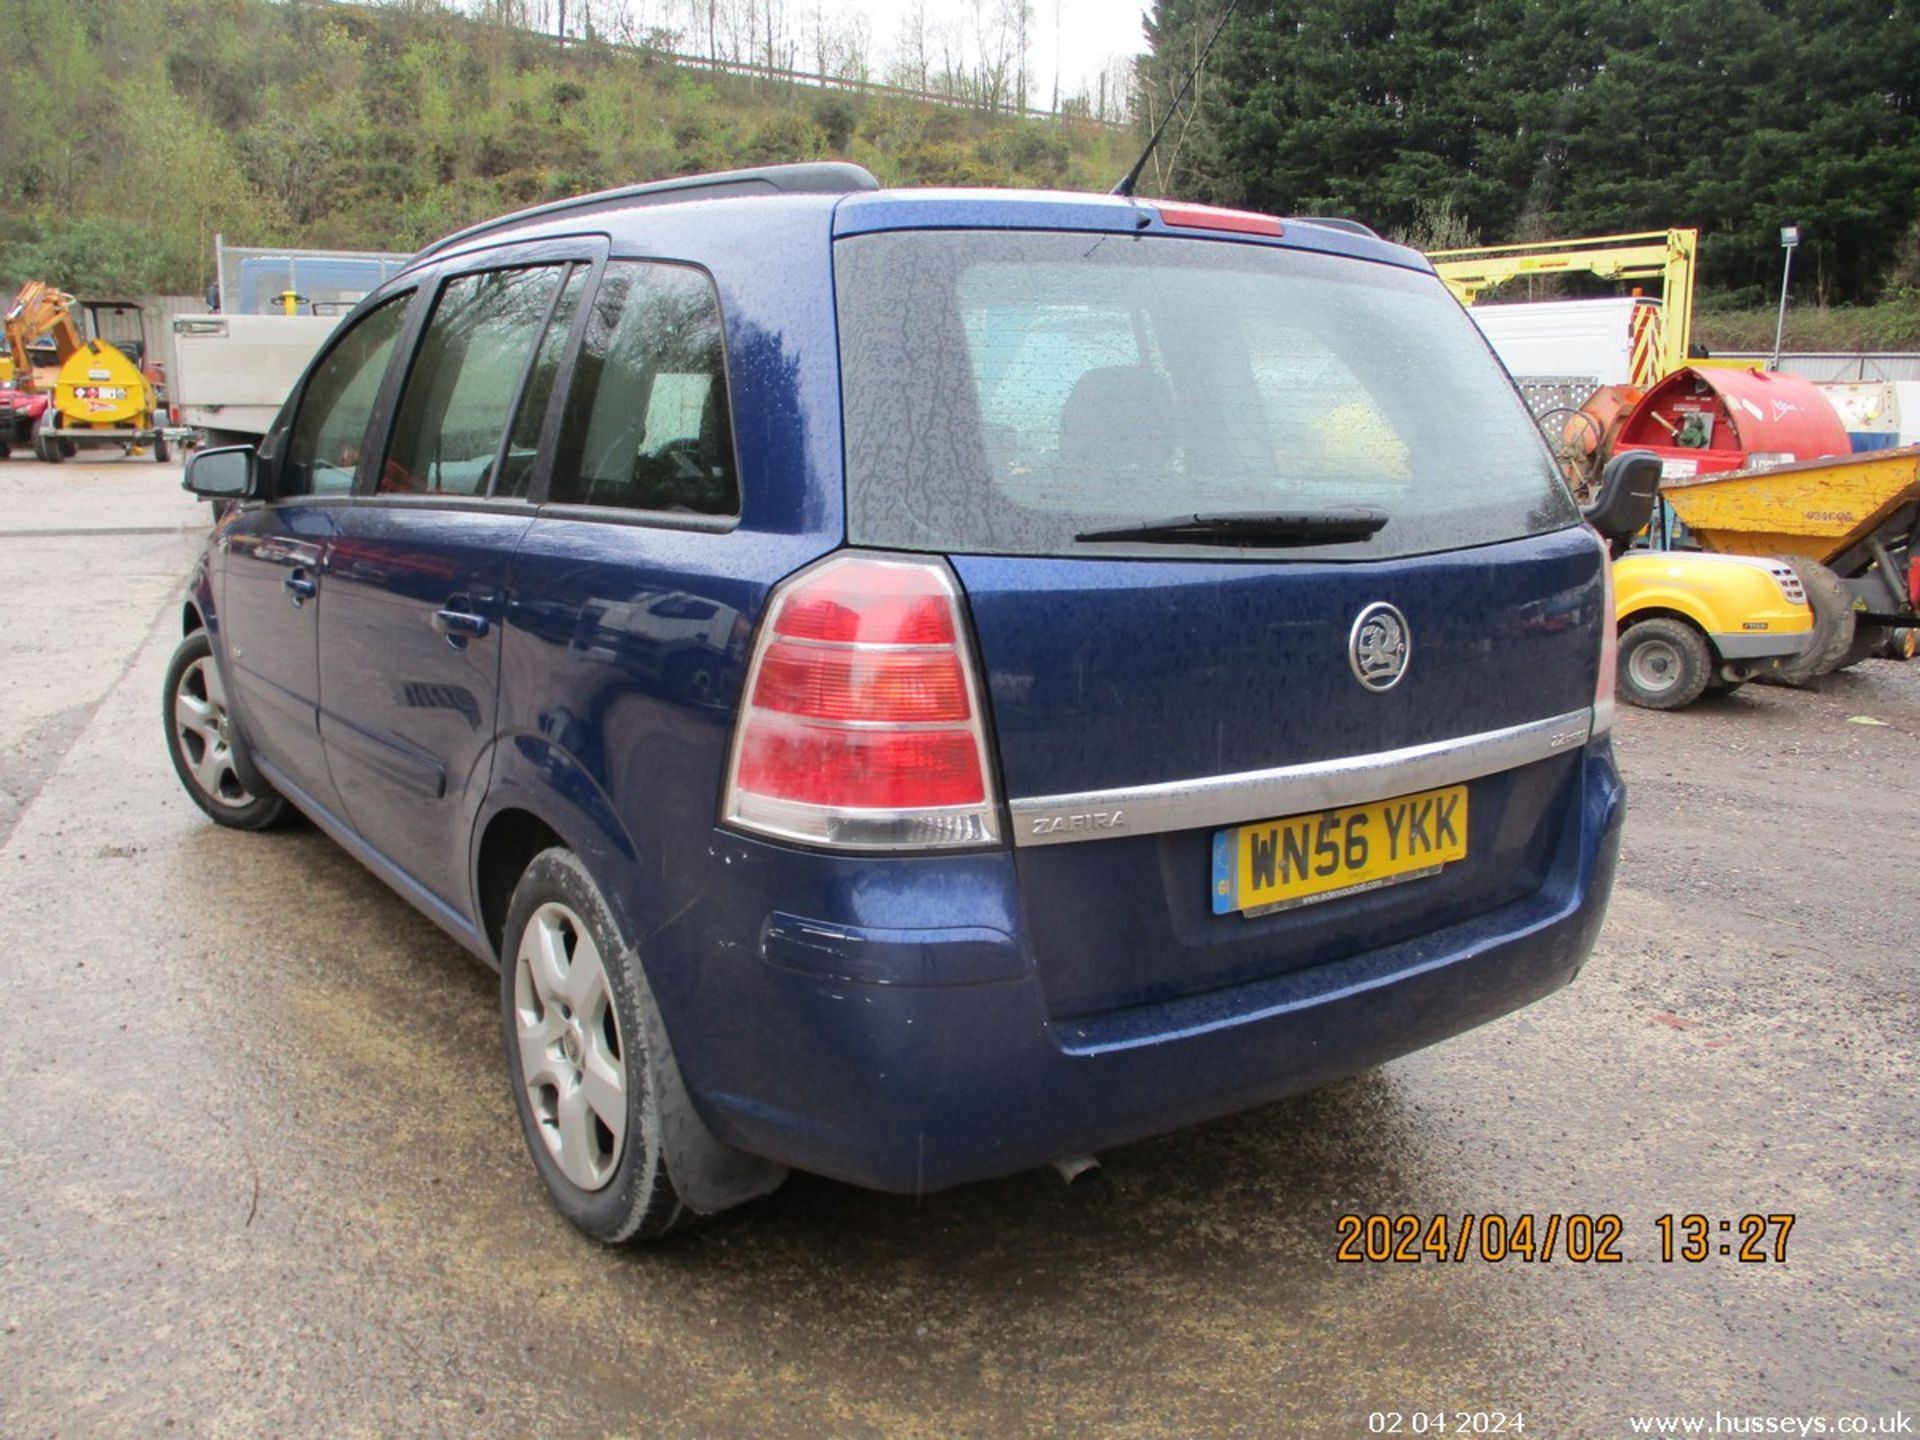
562, 252
402, 343
537, 491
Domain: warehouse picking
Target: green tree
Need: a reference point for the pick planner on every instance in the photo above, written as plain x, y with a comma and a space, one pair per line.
1530, 120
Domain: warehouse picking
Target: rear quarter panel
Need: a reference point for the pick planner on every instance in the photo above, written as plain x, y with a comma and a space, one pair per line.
614, 728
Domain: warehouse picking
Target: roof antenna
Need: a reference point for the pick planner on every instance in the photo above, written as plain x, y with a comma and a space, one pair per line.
1125, 187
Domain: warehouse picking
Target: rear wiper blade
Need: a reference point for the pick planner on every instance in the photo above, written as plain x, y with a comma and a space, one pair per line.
1293, 527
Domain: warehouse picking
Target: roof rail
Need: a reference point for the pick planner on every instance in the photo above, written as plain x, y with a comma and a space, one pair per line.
829, 177
1336, 222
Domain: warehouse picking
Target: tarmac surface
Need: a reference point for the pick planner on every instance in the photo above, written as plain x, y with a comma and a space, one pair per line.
259, 1171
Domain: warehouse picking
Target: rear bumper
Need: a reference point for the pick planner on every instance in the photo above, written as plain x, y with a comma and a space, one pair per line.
911, 1058
1761, 645
105, 434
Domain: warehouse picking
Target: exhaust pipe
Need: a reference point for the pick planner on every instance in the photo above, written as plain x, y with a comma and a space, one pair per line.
1077, 1170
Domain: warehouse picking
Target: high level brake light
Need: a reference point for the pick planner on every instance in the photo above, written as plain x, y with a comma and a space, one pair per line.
1212, 217
862, 725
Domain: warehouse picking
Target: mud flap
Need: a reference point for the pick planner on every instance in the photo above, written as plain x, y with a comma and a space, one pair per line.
708, 1174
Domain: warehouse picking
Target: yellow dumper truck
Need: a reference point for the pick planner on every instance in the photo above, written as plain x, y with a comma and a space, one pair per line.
1690, 622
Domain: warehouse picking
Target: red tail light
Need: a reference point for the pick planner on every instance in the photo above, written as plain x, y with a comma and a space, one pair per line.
1609, 649
862, 724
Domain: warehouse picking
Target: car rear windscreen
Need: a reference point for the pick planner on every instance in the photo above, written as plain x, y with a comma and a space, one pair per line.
1007, 391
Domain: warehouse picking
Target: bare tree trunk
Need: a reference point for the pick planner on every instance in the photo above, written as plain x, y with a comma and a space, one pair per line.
1022, 19
1056, 56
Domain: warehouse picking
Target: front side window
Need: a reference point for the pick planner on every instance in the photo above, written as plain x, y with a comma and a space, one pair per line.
460, 395
331, 421
647, 421
1044, 393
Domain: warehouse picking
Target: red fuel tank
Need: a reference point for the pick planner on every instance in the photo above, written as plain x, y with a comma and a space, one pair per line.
1705, 421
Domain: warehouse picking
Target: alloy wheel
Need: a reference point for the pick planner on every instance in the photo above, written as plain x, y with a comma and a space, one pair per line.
572, 1061
201, 723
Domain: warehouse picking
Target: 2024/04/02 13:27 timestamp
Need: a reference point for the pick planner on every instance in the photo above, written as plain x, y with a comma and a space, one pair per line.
1752, 1239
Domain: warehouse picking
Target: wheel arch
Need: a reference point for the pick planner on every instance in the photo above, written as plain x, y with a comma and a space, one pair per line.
709, 1174
508, 841
538, 792
197, 611
1667, 604
1662, 612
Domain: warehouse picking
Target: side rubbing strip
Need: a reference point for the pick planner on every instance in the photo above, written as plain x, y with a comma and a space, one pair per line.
1291, 789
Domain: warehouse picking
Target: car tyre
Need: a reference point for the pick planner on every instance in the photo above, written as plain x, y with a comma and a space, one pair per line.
583, 1039
201, 740
1664, 664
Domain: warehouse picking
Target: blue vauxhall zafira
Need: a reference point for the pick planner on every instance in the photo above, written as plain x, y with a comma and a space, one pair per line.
916, 684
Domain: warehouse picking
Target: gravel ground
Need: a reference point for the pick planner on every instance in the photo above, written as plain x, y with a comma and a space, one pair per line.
262, 1173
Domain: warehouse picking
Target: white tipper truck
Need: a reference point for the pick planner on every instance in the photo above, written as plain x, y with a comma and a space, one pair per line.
1590, 339
271, 310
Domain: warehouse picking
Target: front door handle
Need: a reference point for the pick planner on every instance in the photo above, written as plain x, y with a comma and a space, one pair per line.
300, 588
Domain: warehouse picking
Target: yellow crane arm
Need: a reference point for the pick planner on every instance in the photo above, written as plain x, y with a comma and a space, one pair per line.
39, 309
1668, 256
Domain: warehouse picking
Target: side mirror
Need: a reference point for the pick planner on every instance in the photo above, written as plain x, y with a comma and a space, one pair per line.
231, 472
1624, 502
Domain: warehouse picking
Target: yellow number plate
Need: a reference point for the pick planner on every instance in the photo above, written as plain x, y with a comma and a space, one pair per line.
1277, 864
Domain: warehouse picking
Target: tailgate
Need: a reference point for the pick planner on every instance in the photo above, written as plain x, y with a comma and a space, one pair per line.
1140, 707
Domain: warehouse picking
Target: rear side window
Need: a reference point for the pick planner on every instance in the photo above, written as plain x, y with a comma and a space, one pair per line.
1009, 391
465, 381
524, 443
647, 421
324, 448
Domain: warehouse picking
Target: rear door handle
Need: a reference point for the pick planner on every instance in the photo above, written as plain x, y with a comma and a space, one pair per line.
459, 625
300, 587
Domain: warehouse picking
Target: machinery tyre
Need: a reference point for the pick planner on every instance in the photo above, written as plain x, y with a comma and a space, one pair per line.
1833, 622
583, 1041
46, 445
1664, 664
200, 742
1563, 428
1868, 642
160, 451
6, 450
